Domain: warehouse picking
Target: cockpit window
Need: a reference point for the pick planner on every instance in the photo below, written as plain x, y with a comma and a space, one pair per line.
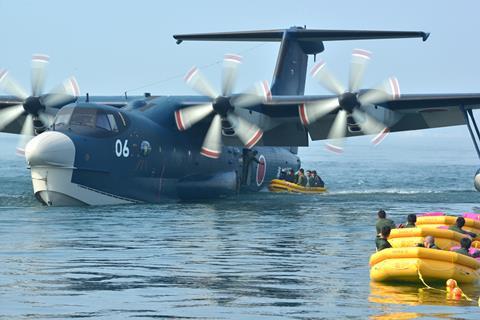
83, 117
112, 122
102, 122
107, 121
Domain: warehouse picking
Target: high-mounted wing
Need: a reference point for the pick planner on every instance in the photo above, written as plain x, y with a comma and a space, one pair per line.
409, 112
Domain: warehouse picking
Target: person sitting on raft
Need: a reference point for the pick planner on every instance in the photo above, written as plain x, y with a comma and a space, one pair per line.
428, 242
301, 179
383, 221
290, 176
317, 181
411, 220
459, 225
310, 180
381, 240
465, 244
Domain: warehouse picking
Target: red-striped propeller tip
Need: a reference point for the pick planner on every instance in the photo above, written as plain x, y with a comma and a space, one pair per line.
190, 74
333, 148
214, 154
380, 136
303, 114
3, 74
266, 93
360, 53
254, 139
40, 58
179, 120
74, 85
394, 87
316, 69
233, 58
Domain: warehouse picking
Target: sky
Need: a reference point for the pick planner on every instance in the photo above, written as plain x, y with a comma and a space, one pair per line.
117, 46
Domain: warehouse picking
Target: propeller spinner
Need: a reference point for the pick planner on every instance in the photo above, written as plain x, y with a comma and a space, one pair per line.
349, 102
36, 105
224, 107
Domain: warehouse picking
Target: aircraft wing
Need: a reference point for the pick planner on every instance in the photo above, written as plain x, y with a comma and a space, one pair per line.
409, 112
431, 111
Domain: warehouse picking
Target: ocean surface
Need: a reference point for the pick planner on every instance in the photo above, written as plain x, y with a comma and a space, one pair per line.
258, 256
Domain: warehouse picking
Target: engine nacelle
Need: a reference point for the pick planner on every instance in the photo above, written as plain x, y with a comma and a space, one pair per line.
476, 181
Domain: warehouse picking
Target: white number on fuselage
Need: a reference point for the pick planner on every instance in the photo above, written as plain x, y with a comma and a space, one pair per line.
121, 149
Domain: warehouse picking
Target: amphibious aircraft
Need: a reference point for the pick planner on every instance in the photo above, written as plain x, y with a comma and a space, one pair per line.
92, 150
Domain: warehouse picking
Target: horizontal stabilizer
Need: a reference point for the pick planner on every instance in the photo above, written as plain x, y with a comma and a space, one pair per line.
300, 34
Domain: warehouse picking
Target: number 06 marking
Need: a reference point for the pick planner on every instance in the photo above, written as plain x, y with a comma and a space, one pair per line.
121, 149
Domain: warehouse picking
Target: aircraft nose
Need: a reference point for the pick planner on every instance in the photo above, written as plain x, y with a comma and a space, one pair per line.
50, 148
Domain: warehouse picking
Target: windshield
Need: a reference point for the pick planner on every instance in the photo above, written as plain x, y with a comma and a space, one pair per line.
108, 121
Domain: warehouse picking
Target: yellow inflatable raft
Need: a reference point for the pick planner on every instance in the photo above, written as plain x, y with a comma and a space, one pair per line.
407, 264
410, 237
438, 221
277, 185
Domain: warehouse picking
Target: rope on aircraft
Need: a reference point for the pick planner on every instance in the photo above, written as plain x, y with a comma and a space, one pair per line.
181, 75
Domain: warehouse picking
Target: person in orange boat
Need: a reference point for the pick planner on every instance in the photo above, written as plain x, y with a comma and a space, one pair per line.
411, 221
383, 221
464, 249
458, 227
428, 242
381, 240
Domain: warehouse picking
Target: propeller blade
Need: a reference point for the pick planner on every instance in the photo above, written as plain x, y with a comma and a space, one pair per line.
257, 94
367, 123
195, 79
231, 62
187, 117
10, 86
358, 64
27, 133
46, 118
338, 132
246, 131
326, 79
311, 112
212, 145
370, 125
38, 73
64, 93
8, 115
388, 90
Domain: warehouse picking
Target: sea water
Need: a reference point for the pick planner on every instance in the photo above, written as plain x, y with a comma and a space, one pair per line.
257, 256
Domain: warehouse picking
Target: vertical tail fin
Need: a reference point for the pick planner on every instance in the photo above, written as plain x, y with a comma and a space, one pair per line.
291, 68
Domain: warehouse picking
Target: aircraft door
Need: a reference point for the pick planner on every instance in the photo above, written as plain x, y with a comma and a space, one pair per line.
253, 169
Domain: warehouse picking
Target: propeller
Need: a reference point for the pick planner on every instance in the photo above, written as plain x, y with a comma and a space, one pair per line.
349, 103
224, 106
35, 107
